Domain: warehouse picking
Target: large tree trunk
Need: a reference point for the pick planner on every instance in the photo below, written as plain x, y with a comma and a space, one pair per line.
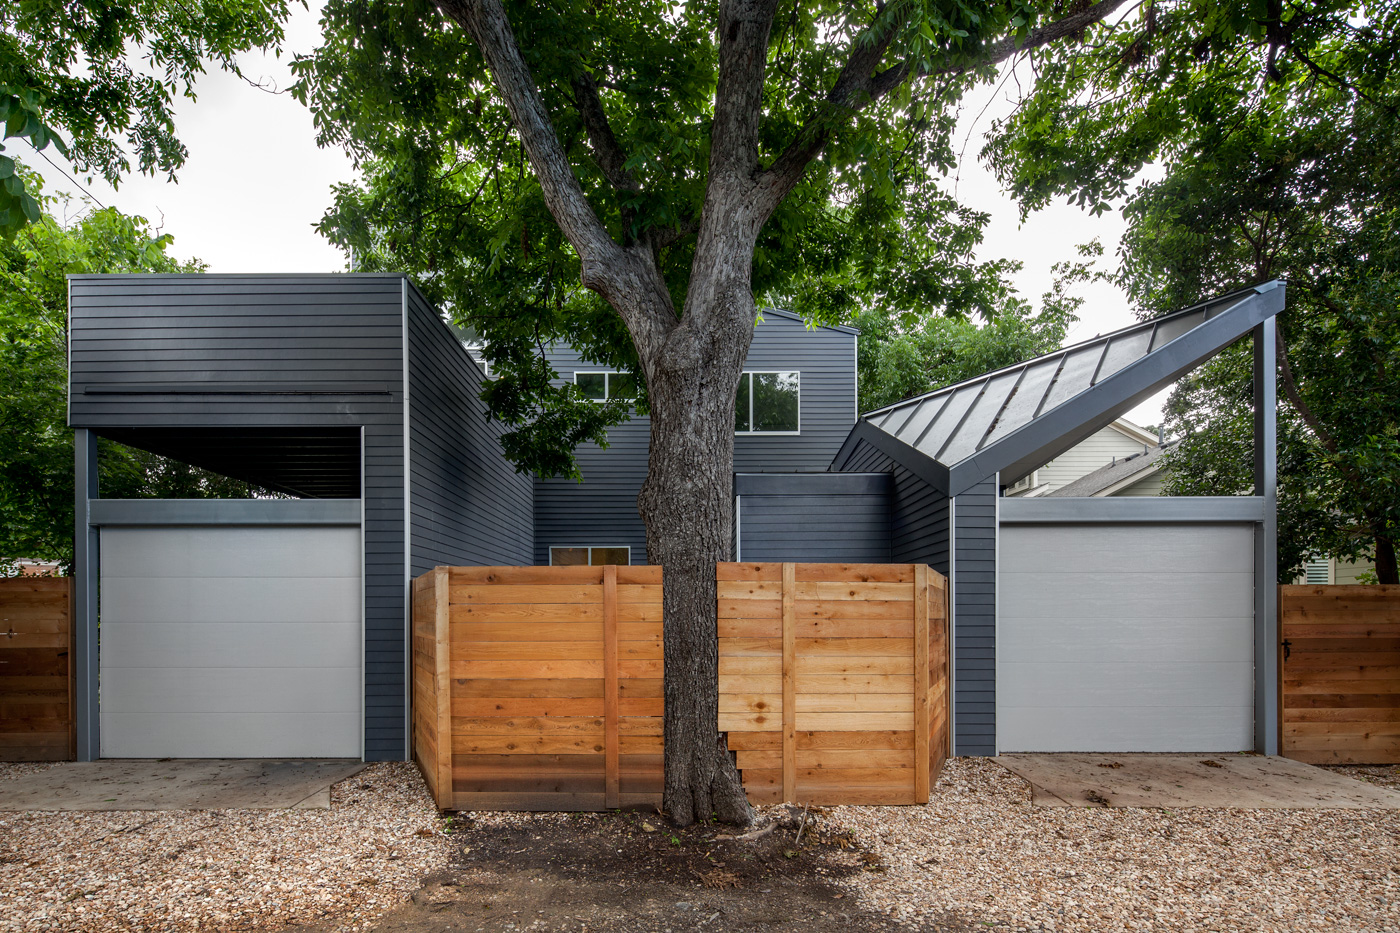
1386, 570
687, 505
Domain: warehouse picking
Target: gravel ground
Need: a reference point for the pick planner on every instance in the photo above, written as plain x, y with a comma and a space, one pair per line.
1383, 775
243, 870
981, 851
978, 852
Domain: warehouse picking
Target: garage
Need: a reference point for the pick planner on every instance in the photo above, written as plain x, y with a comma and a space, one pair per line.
231, 641
1125, 638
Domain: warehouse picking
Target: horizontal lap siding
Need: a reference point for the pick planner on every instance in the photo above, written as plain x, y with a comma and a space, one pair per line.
275, 330
974, 620
826, 359
602, 510
467, 503
815, 528
919, 525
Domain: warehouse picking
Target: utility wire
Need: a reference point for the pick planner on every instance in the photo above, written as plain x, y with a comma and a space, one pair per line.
90, 195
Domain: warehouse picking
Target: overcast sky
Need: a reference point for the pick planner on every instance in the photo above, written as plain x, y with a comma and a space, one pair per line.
256, 183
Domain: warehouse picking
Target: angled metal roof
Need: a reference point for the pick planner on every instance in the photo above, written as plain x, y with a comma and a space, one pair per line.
1015, 419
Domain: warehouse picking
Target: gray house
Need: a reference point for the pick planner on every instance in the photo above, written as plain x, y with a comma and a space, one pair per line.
277, 627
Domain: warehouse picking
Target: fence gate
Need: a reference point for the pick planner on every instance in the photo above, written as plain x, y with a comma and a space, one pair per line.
36, 638
1340, 676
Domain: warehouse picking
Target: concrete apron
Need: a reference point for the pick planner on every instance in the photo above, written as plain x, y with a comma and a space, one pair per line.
1174, 781
178, 784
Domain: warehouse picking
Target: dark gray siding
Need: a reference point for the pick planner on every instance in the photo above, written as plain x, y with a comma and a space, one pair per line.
919, 527
146, 350
602, 510
974, 619
816, 517
467, 505
827, 360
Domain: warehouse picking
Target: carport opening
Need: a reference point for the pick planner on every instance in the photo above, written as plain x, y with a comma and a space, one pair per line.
232, 463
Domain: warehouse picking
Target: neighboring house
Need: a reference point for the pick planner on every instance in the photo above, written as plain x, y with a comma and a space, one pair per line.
279, 628
1120, 459
1326, 571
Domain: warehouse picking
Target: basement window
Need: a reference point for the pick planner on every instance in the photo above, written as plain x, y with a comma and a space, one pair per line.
607, 386
589, 556
768, 403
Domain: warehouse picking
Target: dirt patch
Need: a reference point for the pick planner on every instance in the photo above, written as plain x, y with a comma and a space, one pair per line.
631, 873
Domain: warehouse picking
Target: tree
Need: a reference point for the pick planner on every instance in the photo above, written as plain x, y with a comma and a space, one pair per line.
36, 444
71, 70
896, 361
1277, 147
675, 160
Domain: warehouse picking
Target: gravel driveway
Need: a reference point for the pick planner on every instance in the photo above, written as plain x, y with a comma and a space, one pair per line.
222, 869
981, 851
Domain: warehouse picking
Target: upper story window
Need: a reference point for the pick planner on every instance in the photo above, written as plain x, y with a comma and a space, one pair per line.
607, 386
768, 403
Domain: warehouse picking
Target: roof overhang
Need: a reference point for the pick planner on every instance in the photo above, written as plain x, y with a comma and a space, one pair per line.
1004, 422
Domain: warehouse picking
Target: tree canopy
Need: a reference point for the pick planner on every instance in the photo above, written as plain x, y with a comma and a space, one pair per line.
36, 444
98, 80
1276, 150
448, 193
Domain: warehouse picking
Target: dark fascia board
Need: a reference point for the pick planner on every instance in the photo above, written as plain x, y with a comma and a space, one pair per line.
224, 512
811, 484
237, 388
270, 277
1059, 429
1131, 510
911, 458
791, 316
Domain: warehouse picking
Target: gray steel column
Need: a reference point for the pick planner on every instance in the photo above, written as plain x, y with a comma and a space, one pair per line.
1266, 644
85, 566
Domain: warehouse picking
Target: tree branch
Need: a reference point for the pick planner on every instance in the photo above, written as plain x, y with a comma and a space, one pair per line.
860, 85
607, 152
628, 278
744, 26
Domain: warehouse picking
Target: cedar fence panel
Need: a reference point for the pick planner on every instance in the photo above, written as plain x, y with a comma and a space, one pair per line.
554, 676
1340, 678
36, 682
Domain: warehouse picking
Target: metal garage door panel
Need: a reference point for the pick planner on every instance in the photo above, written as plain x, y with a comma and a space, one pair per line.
1125, 638
233, 642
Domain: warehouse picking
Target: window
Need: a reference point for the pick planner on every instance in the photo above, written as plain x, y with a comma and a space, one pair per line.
1317, 571
1024, 483
768, 403
589, 556
608, 386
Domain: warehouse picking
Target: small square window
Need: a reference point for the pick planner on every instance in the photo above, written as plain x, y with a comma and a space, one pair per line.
607, 386
594, 386
768, 403
568, 557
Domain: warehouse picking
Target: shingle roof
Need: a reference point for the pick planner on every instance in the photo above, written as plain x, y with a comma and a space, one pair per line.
1111, 474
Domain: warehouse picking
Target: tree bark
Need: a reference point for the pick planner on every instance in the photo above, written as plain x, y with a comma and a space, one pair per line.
1386, 570
686, 503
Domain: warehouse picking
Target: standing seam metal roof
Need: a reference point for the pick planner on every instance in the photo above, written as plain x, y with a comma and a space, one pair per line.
1017, 418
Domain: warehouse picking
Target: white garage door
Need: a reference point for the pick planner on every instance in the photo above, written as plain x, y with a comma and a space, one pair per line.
230, 642
1114, 638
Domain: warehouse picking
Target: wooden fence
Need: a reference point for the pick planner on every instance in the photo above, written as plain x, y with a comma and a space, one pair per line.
36, 703
540, 688
1340, 677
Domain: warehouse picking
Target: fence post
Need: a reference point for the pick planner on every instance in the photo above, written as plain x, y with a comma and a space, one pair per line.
789, 684
442, 655
921, 683
611, 796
